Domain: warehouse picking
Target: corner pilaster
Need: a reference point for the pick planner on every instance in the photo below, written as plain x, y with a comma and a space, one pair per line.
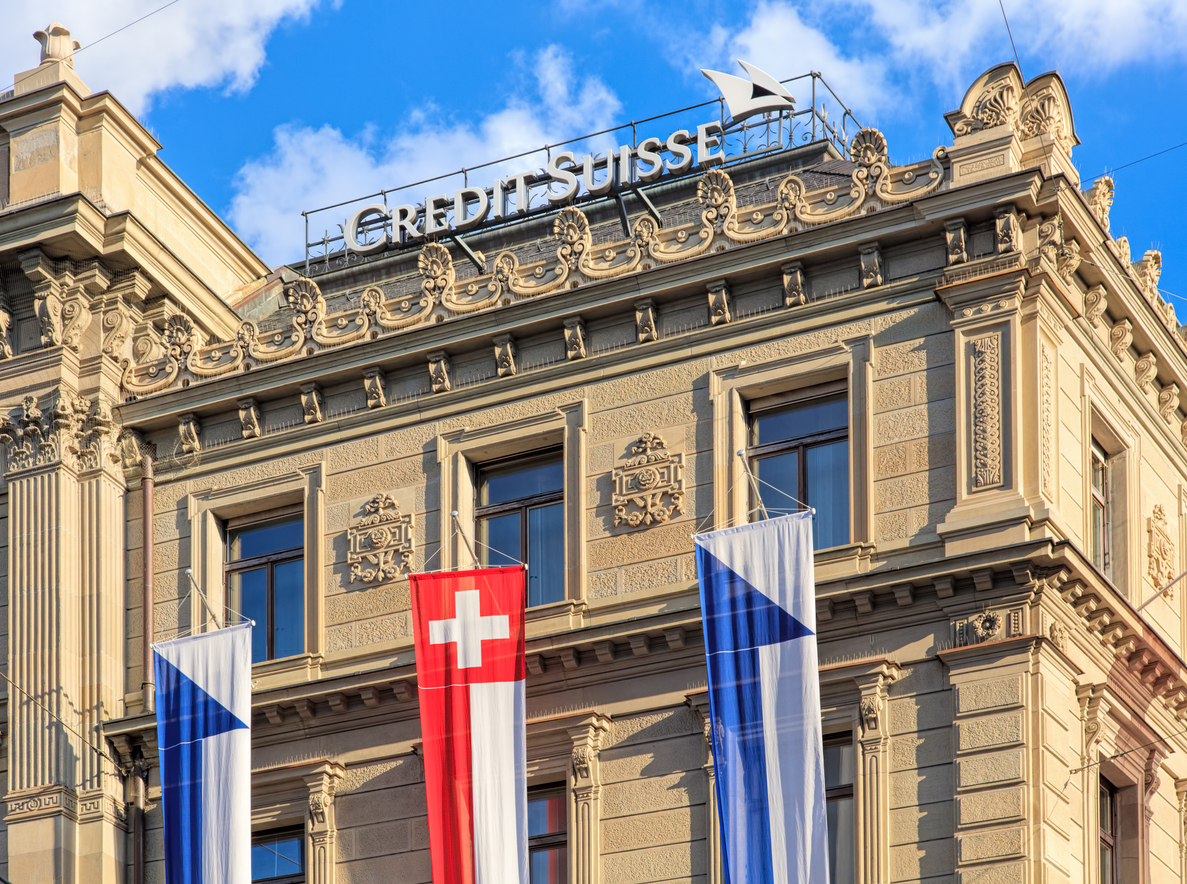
715, 874
585, 801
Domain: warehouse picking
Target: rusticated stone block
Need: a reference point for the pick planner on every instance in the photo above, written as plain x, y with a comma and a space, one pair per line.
649, 574
893, 394
891, 460
384, 629
915, 422
649, 726
910, 825
917, 489
892, 526
385, 774
340, 638
989, 770
1001, 693
640, 760
363, 842
926, 786
654, 543
360, 604
913, 323
998, 805
802, 343
920, 713
934, 385
601, 584
922, 678
996, 844
921, 750
634, 420
913, 356
676, 861
994, 873
368, 808
676, 826
651, 794
352, 455
926, 859
647, 386
932, 452
989, 732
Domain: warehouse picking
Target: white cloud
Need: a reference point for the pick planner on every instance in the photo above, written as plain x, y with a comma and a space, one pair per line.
192, 43
311, 167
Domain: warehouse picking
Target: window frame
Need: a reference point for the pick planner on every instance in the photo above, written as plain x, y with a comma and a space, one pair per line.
288, 833
1101, 502
521, 504
268, 561
551, 840
1109, 838
848, 790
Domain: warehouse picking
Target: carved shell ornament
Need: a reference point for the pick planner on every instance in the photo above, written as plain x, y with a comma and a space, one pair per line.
433, 292
999, 97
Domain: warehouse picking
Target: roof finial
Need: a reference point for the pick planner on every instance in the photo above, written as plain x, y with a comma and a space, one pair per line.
56, 44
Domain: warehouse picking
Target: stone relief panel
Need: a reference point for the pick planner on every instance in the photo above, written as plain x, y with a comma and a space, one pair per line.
381, 543
986, 376
649, 488
1162, 562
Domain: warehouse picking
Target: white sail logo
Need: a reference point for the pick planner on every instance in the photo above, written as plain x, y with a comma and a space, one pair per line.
762, 93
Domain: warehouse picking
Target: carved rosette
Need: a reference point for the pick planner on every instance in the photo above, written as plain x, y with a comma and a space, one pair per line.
987, 420
381, 543
794, 293
1161, 559
720, 302
575, 338
649, 488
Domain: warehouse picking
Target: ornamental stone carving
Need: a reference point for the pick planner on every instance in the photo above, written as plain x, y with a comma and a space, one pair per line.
575, 338
794, 293
375, 386
645, 324
1149, 271
720, 302
869, 713
1047, 417
1120, 337
189, 429
1145, 370
1096, 301
1058, 635
649, 487
1062, 254
249, 418
56, 44
1008, 231
5, 333
987, 405
313, 403
439, 371
506, 357
1168, 401
381, 543
66, 431
1100, 200
872, 270
979, 628
1121, 247
956, 241
1162, 564
999, 97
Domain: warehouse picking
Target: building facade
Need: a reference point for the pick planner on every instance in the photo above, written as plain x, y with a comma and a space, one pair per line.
954, 362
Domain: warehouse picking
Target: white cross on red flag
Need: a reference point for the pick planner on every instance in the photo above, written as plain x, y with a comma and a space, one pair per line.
468, 628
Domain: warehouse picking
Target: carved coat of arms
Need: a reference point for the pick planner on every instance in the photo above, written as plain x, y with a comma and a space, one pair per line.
649, 488
381, 543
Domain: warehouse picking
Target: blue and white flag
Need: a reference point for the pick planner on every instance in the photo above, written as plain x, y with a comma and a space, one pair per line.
759, 607
204, 735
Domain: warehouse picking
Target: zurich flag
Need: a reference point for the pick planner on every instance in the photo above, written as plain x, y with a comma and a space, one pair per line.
759, 608
204, 735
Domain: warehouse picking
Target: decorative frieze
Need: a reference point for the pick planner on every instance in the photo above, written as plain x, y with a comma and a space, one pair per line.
575, 338
986, 412
794, 293
646, 328
720, 302
956, 241
649, 488
872, 270
506, 357
1096, 300
1120, 337
375, 386
439, 371
1145, 370
1168, 401
1162, 563
189, 429
381, 543
249, 418
313, 403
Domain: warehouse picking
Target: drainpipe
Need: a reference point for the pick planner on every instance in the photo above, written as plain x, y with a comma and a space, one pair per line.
147, 484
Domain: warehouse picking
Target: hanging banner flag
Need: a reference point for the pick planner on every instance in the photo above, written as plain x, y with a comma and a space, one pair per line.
204, 735
468, 628
758, 602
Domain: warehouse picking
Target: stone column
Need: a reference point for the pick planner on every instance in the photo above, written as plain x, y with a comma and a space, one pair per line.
872, 787
45, 640
585, 800
699, 702
321, 830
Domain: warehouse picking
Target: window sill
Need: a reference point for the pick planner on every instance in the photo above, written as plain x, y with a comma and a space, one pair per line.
287, 670
566, 614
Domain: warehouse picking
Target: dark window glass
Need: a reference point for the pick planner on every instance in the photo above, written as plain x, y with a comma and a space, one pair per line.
838, 782
800, 454
547, 837
521, 518
278, 859
266, 583
1108, 833
1100, 509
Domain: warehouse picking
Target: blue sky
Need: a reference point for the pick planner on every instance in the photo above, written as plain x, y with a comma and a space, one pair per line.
268, 107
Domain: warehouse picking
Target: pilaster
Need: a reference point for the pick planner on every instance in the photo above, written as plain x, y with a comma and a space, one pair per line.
585, 801
321, 830
874, 760
715, 874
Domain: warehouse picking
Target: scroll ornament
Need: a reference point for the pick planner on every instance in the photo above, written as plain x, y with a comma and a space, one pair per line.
381, 544
649, 488
721, 223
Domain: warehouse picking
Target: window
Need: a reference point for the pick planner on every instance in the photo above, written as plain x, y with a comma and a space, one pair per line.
278, 857
547, 838
1108, 833
800, 454
266, 583
1101, 526
521, 518
838, 784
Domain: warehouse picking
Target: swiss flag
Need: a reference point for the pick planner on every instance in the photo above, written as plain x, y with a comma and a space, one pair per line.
468, 628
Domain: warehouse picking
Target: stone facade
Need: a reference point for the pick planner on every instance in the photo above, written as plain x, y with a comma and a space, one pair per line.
985, 326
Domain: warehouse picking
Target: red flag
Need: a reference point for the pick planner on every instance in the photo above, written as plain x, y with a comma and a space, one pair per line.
468, 627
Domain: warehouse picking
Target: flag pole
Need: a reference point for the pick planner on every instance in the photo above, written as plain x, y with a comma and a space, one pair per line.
209, 610
457, 526
753, 482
